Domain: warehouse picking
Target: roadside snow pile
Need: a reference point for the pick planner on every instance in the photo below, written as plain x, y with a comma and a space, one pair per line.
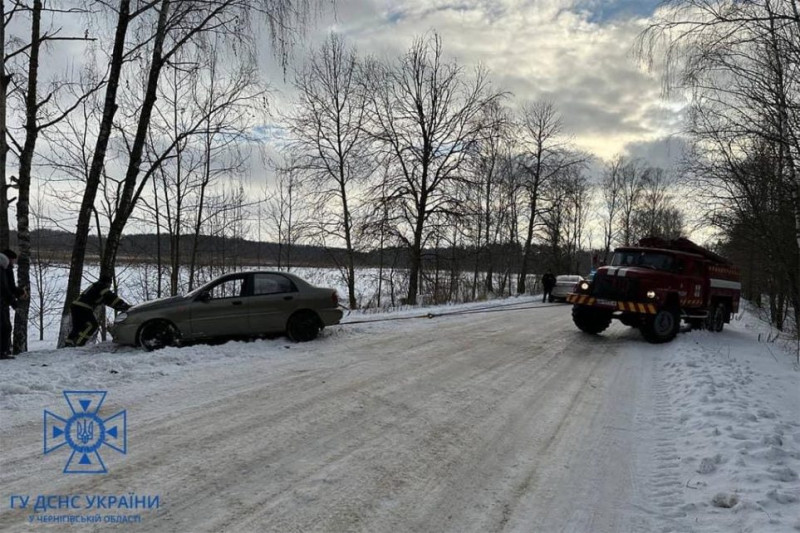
733, 422
38, 378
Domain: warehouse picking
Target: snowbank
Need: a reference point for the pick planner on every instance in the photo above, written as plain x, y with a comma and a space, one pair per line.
725, 443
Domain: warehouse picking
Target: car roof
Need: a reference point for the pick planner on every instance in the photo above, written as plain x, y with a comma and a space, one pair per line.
291, 276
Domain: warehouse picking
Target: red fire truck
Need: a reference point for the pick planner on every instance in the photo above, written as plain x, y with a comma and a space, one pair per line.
656, 285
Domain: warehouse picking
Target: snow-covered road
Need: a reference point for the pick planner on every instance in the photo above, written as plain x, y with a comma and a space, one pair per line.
508, 421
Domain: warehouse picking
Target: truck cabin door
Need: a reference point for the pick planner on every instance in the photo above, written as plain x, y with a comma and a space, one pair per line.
695, 281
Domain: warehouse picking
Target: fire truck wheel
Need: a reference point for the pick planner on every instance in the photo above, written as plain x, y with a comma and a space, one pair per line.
716, 319
661, 327
590, 320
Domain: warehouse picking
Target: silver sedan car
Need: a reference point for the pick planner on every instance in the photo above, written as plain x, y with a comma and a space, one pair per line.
244, 304
564, 286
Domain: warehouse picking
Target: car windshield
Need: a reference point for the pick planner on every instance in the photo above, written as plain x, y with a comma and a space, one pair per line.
198, 290
632, 258
568, 279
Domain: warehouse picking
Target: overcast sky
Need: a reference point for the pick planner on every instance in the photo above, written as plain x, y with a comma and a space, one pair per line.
576, 53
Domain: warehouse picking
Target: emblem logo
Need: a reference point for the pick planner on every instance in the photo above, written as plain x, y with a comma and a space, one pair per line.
85, 432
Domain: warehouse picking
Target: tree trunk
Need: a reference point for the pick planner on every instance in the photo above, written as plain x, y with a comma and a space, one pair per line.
159, 260
351, 271
523, 269
415, 260
126, 202
24, 183
4, 81
95, 171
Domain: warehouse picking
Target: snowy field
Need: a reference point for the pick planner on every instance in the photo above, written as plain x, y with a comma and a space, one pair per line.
477, 421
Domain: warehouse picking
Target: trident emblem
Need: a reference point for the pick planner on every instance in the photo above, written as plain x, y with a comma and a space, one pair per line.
85, 431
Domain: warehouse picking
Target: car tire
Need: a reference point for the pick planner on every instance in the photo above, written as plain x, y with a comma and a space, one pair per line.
157, 334
662, 326
591, 320
303, 326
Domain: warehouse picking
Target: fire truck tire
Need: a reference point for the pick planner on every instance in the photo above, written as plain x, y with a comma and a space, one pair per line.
716, 318
662, 326
590, 320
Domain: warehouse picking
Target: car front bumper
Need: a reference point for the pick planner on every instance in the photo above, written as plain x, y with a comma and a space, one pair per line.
560, 292
124, 333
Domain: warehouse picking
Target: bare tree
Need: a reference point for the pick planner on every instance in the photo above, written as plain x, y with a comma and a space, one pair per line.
46, 293
633, 175
546, 154
285, 213
493, 163
656, 215
426, 119
118, 57
611, 186
165, 28
332, 146
38, 116
5, 80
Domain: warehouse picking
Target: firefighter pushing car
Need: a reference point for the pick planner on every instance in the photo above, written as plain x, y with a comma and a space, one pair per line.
84, 323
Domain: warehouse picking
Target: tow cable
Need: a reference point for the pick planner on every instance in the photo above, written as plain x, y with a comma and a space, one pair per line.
474, 310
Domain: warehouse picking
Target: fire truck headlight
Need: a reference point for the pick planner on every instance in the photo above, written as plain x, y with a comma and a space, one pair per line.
584, 285
651, 294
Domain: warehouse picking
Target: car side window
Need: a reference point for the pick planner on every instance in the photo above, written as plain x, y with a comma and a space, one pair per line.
264, 284
231, 288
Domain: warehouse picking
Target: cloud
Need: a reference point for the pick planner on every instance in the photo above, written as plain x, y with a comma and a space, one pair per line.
575, 53
666, 152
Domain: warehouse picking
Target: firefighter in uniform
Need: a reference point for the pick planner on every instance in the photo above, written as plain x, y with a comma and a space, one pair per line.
84, 323
548, 282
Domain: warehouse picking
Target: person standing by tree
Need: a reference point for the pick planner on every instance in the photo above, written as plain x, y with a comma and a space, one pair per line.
10, 295
548, 282
84, 323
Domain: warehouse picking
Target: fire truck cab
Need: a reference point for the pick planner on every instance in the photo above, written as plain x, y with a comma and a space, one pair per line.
656, 285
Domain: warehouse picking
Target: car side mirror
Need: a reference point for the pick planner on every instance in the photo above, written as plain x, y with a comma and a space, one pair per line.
204, 297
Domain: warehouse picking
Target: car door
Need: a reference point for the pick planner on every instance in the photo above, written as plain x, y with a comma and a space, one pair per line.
275, 297
220, 310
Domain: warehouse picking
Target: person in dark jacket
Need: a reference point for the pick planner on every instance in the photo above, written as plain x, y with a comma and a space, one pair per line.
84, 323
548, 282
10, 295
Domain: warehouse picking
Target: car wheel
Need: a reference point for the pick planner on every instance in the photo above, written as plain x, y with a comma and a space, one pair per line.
662, 326
158, 334
591, 320
303, 326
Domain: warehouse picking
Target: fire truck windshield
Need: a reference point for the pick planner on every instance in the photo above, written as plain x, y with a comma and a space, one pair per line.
632, 258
